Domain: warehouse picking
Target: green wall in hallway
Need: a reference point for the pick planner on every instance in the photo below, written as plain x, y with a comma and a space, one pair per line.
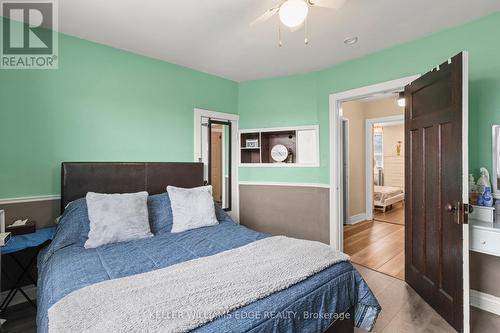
102, 104
303, 99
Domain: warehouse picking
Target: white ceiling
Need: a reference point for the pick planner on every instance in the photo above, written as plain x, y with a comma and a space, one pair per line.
214, 36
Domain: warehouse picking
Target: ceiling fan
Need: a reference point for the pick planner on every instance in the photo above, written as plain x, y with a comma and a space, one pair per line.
293, 13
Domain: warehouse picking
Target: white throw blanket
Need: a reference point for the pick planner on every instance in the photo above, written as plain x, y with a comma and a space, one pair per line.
187, 295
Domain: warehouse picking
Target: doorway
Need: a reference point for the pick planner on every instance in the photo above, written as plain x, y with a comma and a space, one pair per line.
373, 182
436, 184
385, 137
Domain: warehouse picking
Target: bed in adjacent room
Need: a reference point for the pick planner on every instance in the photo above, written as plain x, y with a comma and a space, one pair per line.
318, 303
385, 196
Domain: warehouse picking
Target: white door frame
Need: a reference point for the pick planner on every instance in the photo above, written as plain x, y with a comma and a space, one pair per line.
346, 138
397, 119
224, 171
335, 114
234, 119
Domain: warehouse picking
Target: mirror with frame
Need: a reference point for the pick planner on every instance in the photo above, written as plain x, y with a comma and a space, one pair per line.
216, 157
496, 161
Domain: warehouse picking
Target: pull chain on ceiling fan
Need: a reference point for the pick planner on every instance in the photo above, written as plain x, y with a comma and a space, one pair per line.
294, 14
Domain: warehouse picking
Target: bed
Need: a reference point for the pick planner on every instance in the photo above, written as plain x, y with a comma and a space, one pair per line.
65, 266
385, 196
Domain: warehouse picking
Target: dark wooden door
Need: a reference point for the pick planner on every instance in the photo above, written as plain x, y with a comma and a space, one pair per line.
436, 259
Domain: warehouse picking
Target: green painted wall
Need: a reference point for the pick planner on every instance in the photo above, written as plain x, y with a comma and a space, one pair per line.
102, 104
105, 104
280, 102
303, 99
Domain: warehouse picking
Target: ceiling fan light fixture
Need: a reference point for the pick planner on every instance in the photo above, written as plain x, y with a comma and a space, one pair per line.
293, 13
351, 40
401, 100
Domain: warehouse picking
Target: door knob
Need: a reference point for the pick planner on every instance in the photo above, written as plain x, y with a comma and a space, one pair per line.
450, 208
455, 210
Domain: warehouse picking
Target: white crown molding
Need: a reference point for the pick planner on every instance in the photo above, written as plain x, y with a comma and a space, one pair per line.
284, 184
485, 301
30, 199
276, 129
216, 115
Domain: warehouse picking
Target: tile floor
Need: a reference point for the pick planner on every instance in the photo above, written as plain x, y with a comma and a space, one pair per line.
404, 311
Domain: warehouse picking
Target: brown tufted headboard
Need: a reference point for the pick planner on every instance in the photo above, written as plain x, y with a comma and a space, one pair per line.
78, 178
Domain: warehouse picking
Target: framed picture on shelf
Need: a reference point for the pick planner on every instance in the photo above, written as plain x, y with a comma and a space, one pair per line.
252, 143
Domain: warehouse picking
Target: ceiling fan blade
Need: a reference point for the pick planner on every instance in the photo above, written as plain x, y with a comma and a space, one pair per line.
266, 16
333, 4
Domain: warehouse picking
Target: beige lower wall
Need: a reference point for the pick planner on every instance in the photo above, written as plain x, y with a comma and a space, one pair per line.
43, 212
295, 211
485, 273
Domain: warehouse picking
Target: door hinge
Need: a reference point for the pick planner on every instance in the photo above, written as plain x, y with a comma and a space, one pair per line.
468, 209
459, 211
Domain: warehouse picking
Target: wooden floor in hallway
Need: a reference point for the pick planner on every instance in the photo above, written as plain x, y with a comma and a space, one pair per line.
394, 215
376, 245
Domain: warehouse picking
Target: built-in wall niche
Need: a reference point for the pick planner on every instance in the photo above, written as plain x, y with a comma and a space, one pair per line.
280, 147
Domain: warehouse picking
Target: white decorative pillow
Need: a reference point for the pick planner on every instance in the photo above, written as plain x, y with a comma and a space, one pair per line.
191, 207
117, 218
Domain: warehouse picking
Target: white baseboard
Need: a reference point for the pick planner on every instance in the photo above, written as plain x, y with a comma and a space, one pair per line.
30, 290
485, 301
357, 218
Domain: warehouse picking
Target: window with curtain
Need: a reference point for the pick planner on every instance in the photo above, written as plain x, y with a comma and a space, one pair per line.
378, 150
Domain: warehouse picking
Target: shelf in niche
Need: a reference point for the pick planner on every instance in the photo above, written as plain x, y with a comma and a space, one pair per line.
301, 141
287, 138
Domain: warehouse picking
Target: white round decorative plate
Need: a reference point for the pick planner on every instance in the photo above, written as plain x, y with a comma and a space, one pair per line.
279, 153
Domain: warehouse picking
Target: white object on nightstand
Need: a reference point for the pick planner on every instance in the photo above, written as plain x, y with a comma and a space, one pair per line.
19, 223
2, 221
4, 236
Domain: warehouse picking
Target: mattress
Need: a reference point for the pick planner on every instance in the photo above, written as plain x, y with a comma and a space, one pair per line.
382, 193
65, 266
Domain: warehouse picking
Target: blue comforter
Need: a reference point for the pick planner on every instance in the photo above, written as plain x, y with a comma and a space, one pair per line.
309, 306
